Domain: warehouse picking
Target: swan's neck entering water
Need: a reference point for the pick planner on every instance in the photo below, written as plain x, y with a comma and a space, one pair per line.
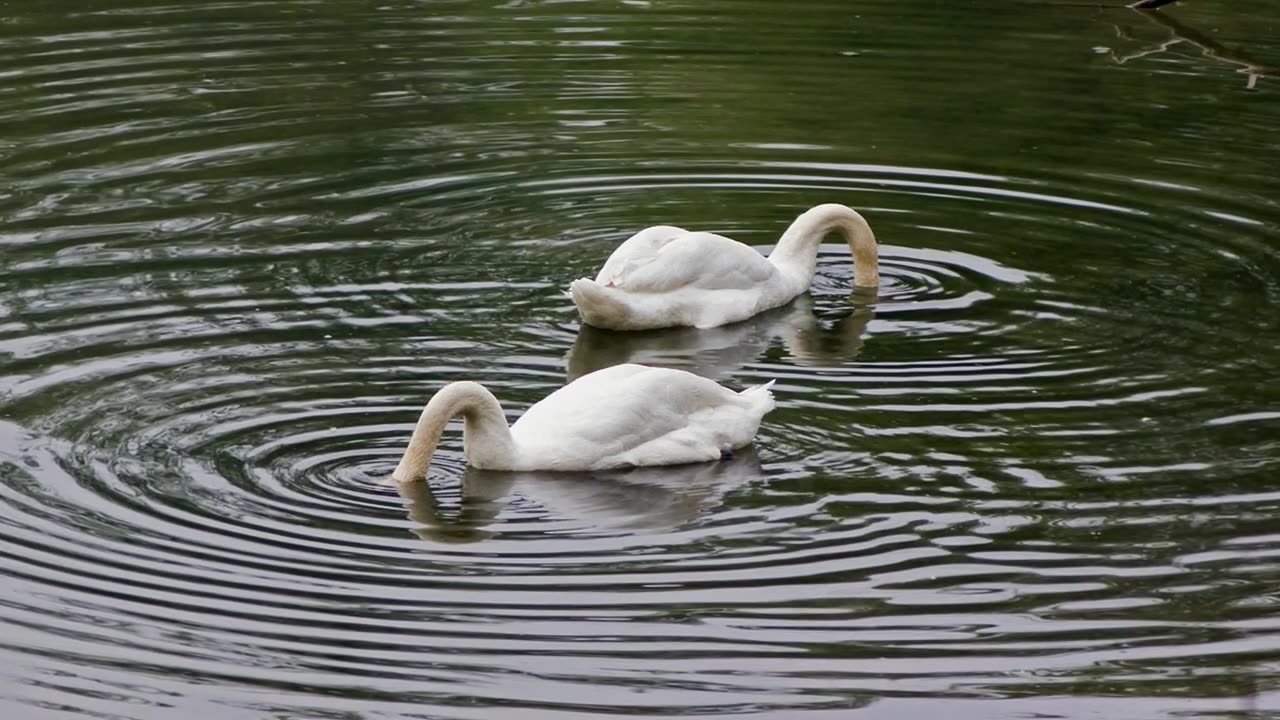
486, 439
796, 254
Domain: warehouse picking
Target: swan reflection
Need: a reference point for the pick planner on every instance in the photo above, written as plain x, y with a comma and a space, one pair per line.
719, 351
639, 499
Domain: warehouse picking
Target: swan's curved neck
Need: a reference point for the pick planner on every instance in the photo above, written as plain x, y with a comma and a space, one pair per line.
796, 254
486, 438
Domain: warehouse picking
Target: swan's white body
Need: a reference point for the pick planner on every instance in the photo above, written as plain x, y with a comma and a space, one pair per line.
626, 415
664, 276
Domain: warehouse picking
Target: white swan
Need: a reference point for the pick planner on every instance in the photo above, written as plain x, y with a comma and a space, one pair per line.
626, 415
664, 276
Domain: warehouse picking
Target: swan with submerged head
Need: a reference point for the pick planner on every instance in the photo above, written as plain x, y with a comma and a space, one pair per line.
664, 276
622, 416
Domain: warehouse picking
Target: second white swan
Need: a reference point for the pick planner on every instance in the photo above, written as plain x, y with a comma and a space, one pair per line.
664, 276
625, 415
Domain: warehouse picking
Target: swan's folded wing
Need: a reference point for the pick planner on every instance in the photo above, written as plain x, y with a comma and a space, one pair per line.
616, 410
637, 250
705, 261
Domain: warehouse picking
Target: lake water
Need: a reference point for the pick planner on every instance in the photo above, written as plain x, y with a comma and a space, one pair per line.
1037, 475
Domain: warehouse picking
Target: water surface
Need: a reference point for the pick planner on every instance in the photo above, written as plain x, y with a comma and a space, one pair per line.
1034, 475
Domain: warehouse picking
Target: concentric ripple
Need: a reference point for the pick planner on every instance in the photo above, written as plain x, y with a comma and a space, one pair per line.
1032, 474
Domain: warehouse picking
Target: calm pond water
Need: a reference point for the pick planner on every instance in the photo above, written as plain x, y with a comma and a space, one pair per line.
1037, 476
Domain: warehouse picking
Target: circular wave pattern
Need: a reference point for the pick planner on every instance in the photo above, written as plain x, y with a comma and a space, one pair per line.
247, 244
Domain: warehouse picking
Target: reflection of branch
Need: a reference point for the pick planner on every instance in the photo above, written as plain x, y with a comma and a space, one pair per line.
1179, 33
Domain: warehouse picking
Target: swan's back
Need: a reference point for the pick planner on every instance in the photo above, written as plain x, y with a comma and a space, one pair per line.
637, 250
637, 415
694, 260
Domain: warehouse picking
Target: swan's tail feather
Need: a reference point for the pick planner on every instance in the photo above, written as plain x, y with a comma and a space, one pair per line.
597, 304
762, 396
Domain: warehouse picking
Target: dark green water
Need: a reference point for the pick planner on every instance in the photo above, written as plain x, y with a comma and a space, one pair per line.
243, 243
